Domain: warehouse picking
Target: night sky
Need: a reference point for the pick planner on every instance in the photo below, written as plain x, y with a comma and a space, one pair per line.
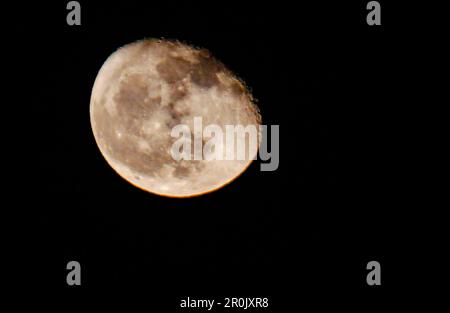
301, 235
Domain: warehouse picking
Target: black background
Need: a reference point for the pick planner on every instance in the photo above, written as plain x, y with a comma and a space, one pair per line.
301, 235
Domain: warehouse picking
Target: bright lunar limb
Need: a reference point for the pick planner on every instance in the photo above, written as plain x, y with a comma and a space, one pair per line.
146, 88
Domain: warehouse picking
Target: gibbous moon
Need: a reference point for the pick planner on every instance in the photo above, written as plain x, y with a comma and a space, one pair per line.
146, 88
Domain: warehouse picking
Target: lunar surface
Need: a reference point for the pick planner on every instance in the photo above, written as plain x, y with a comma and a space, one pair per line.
146, 88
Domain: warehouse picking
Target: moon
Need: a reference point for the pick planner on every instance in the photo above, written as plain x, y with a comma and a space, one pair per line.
146, 88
